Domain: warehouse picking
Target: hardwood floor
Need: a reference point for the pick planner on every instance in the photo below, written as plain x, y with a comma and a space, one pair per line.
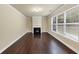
38, 44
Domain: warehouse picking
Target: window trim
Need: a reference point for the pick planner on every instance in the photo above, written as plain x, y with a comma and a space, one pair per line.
67, 35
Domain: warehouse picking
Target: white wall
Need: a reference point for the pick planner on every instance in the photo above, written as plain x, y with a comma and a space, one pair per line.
12, 25
36, 22
68, 42
39, 21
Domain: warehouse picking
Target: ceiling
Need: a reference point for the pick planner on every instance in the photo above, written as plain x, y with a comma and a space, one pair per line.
44, 9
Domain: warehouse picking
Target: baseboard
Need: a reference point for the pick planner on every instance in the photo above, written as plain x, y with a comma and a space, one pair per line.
11, 43
65, 44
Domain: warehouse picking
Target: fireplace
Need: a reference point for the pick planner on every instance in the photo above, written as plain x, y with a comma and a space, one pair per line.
37, 30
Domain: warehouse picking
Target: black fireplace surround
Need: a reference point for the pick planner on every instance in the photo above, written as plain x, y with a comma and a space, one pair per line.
37, 30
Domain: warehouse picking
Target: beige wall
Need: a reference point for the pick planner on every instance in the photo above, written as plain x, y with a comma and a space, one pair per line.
12, 25
29, 24
44, 24
70, 43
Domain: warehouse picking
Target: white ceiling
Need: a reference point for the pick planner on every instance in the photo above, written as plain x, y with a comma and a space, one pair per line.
27, 9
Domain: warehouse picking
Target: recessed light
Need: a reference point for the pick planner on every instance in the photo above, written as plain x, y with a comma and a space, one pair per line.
37, 9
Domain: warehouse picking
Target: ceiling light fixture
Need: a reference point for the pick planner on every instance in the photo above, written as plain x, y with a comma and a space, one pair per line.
37, 9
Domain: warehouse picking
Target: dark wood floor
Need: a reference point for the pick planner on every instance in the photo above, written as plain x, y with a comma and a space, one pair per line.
38, 44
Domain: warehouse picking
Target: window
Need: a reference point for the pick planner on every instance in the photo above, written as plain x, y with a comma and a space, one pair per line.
54, 23
61, 23
67, 23
72, 22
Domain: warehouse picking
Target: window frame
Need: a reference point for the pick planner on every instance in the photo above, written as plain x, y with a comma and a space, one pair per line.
67, 35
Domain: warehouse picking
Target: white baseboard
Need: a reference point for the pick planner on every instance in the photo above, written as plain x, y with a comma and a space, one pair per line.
11, 43
65, 44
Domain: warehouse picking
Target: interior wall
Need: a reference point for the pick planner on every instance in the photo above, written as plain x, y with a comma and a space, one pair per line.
44, 24
36, 21
13, 25
29, 24
39, 21
68, 42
